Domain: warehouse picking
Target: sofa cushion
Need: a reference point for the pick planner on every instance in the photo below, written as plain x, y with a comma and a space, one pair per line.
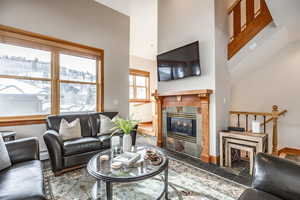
53, 122
81, 145
96, 121
253, 194
106, 124
70, 130
22, 181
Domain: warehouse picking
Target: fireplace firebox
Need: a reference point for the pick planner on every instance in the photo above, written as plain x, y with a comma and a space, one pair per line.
182, 124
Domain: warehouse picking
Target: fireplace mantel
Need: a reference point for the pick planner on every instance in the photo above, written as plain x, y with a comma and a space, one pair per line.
196, 98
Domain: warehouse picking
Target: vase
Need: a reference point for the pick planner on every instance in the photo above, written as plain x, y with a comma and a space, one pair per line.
115, 145
127, 142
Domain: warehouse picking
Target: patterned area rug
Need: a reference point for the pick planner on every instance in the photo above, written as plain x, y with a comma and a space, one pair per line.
185, 183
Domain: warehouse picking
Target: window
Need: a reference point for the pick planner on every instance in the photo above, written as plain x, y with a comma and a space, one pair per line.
25, 81
40, 75
139, 86
77, 83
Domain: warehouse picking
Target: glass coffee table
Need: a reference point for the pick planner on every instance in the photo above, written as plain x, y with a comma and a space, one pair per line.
141, 170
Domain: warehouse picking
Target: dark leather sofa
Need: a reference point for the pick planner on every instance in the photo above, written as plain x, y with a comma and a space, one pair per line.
75, 153
24, 179
274, 179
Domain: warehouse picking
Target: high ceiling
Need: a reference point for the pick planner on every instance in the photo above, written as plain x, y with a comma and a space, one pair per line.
143, 24
122, 6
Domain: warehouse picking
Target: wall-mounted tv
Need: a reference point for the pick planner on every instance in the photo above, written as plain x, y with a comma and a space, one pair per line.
179, 63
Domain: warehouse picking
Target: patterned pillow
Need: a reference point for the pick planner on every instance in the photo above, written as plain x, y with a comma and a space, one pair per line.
4, 157
106, 124
70, 130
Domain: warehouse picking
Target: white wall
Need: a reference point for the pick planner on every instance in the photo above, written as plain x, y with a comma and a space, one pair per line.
182, 22
275, 82
144, 113
267, 74
85, 22
222, 75
143, 28
143, 25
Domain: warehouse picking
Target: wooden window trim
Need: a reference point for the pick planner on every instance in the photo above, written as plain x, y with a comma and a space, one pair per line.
14, 36
134, 73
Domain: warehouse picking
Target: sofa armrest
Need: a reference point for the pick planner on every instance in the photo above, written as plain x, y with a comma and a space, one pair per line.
54, 145
277, 176
22, 150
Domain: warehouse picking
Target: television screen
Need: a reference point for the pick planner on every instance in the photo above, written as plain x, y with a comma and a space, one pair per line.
179, 63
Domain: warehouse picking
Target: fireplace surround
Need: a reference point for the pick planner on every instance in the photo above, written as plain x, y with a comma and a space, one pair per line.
184, 106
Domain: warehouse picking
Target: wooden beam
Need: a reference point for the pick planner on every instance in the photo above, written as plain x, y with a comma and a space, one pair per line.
237, 20
249, 11
252, 29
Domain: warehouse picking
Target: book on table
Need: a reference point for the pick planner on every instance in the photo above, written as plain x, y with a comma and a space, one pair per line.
127, 158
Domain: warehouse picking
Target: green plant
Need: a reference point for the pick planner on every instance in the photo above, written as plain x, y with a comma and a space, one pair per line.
124, 125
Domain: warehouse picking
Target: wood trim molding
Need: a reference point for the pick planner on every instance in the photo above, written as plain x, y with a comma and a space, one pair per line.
233, 6
214, 159
252, 29
19, 121
139, 72
288, 151
53, 41
24, 38
185, 93
134, 73
144, 101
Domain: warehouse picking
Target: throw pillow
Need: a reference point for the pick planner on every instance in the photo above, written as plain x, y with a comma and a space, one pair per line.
106, 124
70, 130
4, 157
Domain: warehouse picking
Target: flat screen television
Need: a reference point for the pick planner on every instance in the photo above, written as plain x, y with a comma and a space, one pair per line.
179, 63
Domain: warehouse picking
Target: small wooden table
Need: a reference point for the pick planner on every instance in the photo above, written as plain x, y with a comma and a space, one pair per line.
257, 140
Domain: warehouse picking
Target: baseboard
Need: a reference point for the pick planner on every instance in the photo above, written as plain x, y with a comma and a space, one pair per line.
214, 159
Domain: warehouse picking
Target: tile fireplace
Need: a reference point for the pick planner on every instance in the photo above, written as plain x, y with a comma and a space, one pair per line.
182, 130
183, 122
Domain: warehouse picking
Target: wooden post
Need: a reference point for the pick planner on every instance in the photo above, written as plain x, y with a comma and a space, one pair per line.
205, 154
158, 109
275, 115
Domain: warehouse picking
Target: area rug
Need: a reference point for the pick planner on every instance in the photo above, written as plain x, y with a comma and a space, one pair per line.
185, 183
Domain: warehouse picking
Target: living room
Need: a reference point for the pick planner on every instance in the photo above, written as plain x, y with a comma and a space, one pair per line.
100, 99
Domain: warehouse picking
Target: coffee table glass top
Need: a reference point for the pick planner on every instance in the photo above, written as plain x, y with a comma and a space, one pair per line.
140, 170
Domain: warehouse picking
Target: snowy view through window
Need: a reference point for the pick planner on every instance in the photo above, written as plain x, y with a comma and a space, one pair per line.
30, 94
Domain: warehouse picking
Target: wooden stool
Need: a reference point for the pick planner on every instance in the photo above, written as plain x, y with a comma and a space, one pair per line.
242, 148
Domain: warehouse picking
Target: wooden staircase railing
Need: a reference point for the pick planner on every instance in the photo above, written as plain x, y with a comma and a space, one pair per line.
267, 117
247, 18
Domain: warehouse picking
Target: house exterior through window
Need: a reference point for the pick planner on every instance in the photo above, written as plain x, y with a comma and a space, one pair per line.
139, 86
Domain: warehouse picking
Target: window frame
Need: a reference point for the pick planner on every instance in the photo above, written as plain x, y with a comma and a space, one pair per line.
18, 37
134, 73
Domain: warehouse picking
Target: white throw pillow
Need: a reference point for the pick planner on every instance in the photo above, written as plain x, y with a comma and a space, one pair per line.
70, 130
4, 157
106, 124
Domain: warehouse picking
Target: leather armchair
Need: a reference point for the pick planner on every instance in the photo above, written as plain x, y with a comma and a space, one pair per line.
75, 153
274, 179
25, 174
